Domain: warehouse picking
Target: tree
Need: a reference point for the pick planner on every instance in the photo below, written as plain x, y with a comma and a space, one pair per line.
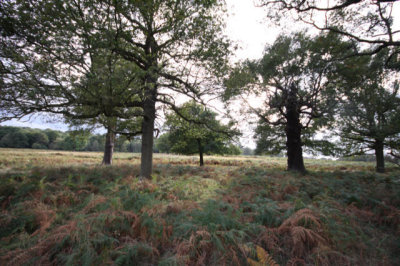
163, 143
95, 143
370, 108
52, 55
75, 141
4, 130
51, 135
16, 139
247, 151
293, 79
77, 77
363, 22
174, 45
197, 130
40, 139
269, 139
114, 126
110, 80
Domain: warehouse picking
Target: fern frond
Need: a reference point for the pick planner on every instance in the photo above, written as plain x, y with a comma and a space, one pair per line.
305, 217
264, 259
96, 200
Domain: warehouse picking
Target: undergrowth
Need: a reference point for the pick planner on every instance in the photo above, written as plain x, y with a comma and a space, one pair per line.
235, 211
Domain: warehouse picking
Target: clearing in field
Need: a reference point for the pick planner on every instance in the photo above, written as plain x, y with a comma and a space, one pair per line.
64, 208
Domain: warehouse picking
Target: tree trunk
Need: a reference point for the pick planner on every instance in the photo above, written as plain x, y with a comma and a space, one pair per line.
109, 146
149, 109
200, 152
380, 158
293, 133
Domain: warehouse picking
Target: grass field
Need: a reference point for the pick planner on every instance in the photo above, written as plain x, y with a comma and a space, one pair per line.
64, 208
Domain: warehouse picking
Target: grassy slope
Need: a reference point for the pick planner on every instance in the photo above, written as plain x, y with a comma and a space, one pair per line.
64, 208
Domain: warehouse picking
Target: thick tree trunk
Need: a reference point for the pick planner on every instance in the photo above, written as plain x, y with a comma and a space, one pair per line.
380, 158
293, 133
109, 146
294, 148
149, 109
200, 152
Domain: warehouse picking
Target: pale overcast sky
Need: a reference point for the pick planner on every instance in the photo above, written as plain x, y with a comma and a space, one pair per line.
246, 26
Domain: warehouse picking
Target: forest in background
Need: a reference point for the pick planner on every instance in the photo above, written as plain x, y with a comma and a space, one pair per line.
17, 137
48, 139
33, 138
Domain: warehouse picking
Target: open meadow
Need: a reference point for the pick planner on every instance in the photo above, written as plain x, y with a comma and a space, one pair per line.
65, 208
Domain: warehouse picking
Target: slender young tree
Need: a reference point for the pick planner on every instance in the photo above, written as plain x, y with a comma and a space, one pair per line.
293, 79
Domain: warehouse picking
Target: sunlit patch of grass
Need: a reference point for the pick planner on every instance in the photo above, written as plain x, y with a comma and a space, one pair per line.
65, 208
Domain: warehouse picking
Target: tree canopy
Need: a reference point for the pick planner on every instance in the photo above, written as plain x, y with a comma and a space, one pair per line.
364, 23
298, 94
370, 107
115, 64
197, 130
53, 50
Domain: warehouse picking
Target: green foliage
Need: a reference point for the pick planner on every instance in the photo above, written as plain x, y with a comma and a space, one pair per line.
269, 140
15, 137
370, 106
134, 254
109, 60
196, 130
163, 143
14, 140
295, 72
216, 216
358, 21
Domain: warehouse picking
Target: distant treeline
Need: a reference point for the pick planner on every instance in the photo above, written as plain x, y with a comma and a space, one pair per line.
369, 158
32, 138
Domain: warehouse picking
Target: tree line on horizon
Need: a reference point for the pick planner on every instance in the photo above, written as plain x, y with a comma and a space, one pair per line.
118, 64
48, 139
80, 140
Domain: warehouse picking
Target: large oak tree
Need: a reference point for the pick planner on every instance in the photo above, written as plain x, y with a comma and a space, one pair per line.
110, 80
180, 47
298, 96
55, 58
